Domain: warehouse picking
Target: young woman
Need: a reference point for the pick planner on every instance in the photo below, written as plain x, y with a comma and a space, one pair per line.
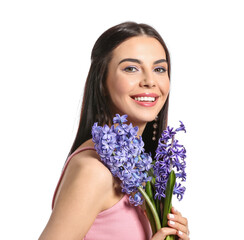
129, 74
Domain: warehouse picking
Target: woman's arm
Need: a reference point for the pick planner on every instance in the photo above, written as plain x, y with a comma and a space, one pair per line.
81, 197
178, 226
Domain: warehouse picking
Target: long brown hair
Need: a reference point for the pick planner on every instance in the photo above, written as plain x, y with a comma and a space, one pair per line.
95, 100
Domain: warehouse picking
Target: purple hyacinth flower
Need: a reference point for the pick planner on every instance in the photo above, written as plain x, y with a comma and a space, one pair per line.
120, 119
170, 155
137, 200
181, 128
122, 152
179, 191
168, 133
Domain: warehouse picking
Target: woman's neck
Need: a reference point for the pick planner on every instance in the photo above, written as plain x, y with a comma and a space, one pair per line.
141, 128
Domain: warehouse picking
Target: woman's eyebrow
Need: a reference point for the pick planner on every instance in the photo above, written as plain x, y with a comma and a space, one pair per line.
139, 61
160, 60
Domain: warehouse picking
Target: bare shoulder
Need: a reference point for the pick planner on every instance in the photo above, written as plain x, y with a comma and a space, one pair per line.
87, 163
85, 171
82, 195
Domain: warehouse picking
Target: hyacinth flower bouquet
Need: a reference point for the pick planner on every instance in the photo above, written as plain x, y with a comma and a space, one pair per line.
121, 150
168, 166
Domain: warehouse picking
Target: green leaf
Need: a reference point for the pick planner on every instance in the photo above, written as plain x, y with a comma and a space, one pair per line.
168, 197
150, 172
150, 192
152, 208
153, 181
151, 219
170, 237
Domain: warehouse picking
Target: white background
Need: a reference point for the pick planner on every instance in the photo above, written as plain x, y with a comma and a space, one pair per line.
44, 59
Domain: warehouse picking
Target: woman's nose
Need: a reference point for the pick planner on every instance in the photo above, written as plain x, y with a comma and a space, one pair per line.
147, 81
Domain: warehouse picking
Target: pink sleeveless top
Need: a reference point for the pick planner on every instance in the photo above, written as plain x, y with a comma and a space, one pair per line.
122, 221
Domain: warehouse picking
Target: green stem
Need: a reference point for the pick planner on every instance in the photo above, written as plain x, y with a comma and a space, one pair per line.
158, 209
168, 201
152, 208
151, 219
149, 192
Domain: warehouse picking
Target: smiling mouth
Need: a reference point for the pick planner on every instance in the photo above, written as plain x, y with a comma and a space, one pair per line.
144, 99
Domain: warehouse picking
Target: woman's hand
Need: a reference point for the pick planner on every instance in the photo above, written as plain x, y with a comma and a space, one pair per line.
178, 225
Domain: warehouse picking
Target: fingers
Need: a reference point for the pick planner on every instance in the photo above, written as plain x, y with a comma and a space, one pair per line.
179, 223
178, 226
182, 236
163, 233
177, 218
175, 211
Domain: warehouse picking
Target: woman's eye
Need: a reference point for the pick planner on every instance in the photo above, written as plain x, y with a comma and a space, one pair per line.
160, 70
130, 69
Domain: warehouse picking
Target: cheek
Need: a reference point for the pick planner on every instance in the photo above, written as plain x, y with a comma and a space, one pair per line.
119, 86
165, 87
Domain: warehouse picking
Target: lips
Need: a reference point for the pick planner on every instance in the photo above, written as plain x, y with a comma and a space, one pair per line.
146, 99
145, 95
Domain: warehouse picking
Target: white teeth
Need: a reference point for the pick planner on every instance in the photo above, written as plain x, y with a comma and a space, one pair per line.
145, 99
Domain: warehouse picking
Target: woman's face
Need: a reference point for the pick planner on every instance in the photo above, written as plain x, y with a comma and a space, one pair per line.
138, 81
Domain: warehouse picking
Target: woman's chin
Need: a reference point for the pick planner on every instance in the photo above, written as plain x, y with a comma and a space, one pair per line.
141, 119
